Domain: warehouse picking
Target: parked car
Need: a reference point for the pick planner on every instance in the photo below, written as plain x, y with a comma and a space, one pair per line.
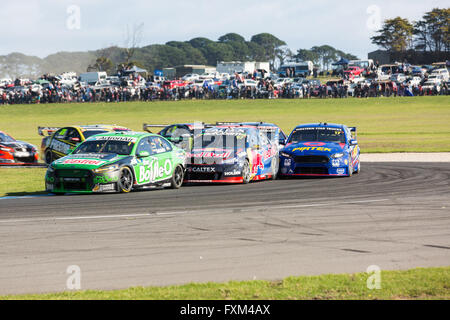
398, 77
443, 74
353, 71
190, 77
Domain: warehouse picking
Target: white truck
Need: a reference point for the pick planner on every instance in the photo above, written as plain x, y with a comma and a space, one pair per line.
92, 78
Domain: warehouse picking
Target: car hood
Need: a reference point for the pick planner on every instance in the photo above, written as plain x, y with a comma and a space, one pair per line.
313, 147
86, 161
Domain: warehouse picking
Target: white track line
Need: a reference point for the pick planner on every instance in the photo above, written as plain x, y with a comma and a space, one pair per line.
139, 215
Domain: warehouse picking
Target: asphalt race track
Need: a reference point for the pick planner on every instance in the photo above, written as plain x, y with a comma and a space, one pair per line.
393, 215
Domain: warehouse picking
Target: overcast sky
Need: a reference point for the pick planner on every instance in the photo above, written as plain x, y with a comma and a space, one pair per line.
42, 27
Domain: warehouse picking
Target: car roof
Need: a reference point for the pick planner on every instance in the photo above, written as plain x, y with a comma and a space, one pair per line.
98, 127
130, 134
323, 125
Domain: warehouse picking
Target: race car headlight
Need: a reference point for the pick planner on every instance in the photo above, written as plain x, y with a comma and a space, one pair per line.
337, 155
50, 169
107, 168
286, 155
6, 149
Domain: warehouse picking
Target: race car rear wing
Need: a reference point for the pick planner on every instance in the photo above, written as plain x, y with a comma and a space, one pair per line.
47, 131
146, 126
260, 126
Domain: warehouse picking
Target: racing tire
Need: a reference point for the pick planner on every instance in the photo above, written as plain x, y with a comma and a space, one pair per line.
246, 174
177, 177
359, 168
48, 157
275, 167
350, 167
125, 183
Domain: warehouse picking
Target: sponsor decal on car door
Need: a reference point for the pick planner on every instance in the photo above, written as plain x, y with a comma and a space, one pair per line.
156, 167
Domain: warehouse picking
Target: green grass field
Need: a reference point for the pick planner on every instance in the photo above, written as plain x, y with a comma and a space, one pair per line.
21, 181
420, 283
420, 124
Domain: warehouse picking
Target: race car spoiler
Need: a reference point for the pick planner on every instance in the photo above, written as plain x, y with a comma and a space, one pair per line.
146, 126
260, 126
46, 131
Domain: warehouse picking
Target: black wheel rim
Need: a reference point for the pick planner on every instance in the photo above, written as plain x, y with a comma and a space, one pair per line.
125, 180
178, 178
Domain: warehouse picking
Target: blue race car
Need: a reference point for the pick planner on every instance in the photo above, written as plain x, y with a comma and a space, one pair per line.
320, 149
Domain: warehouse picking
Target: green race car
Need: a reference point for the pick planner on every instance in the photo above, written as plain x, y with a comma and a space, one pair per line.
117, 162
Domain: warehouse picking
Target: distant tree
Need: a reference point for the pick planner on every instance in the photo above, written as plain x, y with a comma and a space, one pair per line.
432, 32
200, 43
327, 54
283, 54
191, 55
216, 51
133, 39
395, 35
255, 52
270, 44
231, 37
307, 55
101, 64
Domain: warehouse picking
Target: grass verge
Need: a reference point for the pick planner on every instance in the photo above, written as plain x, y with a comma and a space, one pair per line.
21, 181
420, 283
404, 124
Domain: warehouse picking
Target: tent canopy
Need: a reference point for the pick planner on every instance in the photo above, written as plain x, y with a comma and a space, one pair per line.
136, 70
341, 62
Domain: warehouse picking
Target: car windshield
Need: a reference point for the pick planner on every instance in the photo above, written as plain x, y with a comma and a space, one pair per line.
221, 141
318, 134
90, 133
5, 138
105, 146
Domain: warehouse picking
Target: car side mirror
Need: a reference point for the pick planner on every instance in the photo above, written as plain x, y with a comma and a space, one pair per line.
353, 142
143, 154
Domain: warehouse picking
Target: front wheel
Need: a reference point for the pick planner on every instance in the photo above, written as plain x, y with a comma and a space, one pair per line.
177, 177
125, 183
246, 174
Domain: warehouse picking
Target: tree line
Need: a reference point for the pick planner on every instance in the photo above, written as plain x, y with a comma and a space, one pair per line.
203, 51
429, 34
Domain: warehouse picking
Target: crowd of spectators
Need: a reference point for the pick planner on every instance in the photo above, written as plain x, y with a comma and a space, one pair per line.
235, 88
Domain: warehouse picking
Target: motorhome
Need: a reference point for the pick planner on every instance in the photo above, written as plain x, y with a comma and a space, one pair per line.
294, 69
